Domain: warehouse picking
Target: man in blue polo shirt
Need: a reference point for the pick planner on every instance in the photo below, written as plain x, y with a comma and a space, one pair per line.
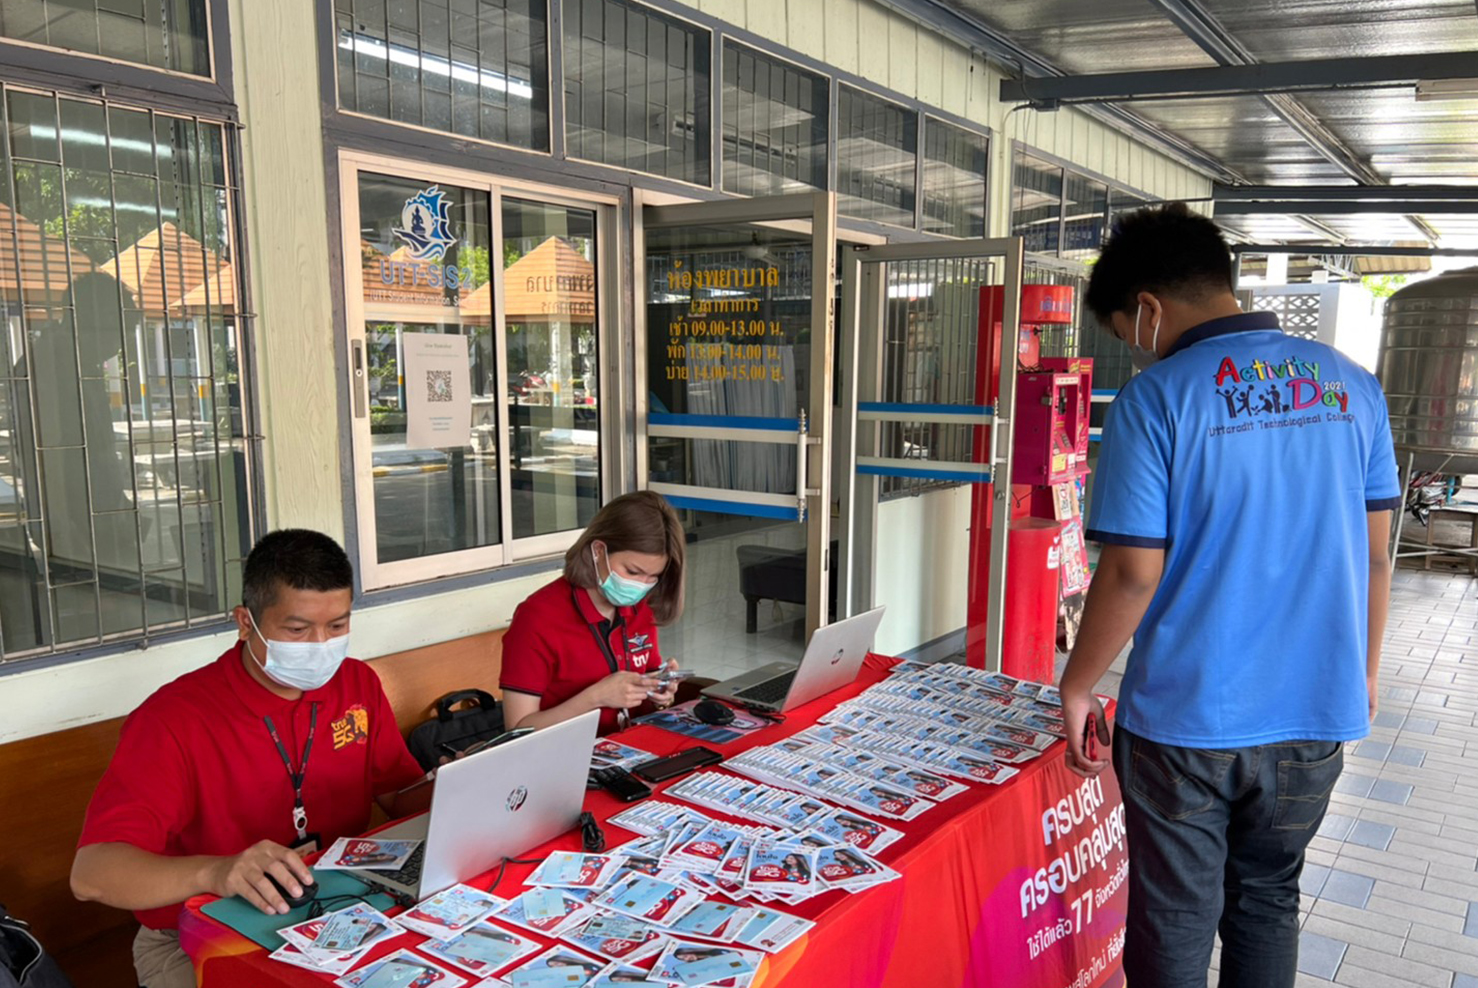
1243, 500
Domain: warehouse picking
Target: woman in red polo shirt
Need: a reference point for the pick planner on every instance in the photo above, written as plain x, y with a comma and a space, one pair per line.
588, 640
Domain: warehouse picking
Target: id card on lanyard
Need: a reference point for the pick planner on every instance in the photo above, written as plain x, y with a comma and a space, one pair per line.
306, 842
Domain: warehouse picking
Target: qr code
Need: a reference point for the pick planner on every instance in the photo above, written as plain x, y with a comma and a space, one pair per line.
438, 385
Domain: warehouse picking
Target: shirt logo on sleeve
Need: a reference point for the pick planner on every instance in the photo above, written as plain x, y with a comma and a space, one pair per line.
352, 728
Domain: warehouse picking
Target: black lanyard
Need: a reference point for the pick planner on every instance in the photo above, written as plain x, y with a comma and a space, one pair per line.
602, 641
296, 776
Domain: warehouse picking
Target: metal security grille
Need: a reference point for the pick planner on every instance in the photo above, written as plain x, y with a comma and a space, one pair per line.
1297, 314
775, 118
479, 68
1059, 340
636, 89
954, 180
162, 34
877, 148
929, 352
124, 506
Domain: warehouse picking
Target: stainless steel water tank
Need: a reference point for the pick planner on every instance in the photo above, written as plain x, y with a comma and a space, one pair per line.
1429, 369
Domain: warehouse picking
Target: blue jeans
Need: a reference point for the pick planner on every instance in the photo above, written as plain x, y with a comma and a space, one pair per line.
1216, 843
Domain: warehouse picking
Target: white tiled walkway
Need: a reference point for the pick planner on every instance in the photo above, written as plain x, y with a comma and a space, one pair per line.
1391, 890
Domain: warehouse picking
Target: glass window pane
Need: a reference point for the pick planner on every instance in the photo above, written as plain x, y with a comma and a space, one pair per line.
551, 308
162, 34
480, 69
1123, 202
1036, 204
954, 180
425, 253
930, 358
775, 119
877, 147
1086, 207
117, 472
636, 89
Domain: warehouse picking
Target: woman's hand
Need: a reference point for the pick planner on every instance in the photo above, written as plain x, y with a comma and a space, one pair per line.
622, 690
663, 696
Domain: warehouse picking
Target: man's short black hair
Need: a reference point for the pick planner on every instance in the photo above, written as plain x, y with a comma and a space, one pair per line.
1164, 250
296, 558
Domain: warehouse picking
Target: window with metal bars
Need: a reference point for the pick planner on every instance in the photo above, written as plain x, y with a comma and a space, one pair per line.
877, 149
478, 68
775, 120
162, 34
931, 332
1062, 213
1060, 340
637, 90
124, 507
954, 179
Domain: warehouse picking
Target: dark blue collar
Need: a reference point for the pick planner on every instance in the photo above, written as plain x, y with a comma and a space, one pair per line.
1243, 322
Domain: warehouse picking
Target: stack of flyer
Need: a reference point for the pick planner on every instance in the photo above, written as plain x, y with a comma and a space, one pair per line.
691, 901
336, 942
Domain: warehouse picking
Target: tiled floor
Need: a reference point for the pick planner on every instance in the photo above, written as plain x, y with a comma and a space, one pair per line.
1390, 891
710, 637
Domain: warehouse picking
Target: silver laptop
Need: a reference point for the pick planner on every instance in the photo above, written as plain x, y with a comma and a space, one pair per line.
832, 660
492, 805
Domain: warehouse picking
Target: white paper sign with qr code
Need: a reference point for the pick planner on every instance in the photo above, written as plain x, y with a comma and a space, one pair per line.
438, 391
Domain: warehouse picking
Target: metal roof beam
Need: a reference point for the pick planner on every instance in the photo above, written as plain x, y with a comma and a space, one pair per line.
1404, 194
1340, 207
979, 36
1375, 72
1348, 249
1202, 27
1309, 223
1428, 232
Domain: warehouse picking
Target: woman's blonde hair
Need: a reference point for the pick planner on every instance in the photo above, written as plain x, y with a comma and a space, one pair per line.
644, 522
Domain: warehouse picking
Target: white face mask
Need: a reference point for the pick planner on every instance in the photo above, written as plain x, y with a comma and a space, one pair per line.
1141, 357
302, 665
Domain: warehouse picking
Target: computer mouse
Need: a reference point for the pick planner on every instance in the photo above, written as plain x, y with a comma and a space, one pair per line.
310, 892
710, 711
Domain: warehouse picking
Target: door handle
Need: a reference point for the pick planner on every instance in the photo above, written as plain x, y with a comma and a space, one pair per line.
359, 385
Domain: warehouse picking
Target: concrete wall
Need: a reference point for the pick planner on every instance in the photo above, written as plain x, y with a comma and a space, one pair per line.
276, 60
921, 573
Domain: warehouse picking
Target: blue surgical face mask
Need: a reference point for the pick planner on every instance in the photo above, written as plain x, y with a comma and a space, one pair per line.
1143, 358
620, 590
302, 665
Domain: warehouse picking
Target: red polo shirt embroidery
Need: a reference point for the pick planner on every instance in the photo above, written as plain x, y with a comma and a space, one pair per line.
550, 652
196, 771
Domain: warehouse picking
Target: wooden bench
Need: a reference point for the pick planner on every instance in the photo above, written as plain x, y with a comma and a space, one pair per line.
46, 782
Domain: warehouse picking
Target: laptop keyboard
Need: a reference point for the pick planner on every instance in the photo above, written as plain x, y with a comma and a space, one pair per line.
770, 691
408, 874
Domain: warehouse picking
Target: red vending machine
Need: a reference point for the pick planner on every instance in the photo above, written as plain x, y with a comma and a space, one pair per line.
1050, 435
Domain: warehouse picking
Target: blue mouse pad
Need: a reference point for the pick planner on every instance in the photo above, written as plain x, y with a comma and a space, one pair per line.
251, 922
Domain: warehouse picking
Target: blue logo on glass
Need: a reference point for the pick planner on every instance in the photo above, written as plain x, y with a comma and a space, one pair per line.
426, 225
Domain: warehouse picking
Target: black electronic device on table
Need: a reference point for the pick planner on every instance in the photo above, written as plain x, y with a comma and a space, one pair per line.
686, 760
710, 711
621, 783
310, 892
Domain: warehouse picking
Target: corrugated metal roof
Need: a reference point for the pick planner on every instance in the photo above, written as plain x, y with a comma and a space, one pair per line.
1401, 140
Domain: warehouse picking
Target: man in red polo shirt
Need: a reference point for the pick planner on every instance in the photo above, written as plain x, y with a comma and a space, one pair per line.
225, 775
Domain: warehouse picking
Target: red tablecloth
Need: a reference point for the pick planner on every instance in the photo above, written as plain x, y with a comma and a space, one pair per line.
1018, 885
